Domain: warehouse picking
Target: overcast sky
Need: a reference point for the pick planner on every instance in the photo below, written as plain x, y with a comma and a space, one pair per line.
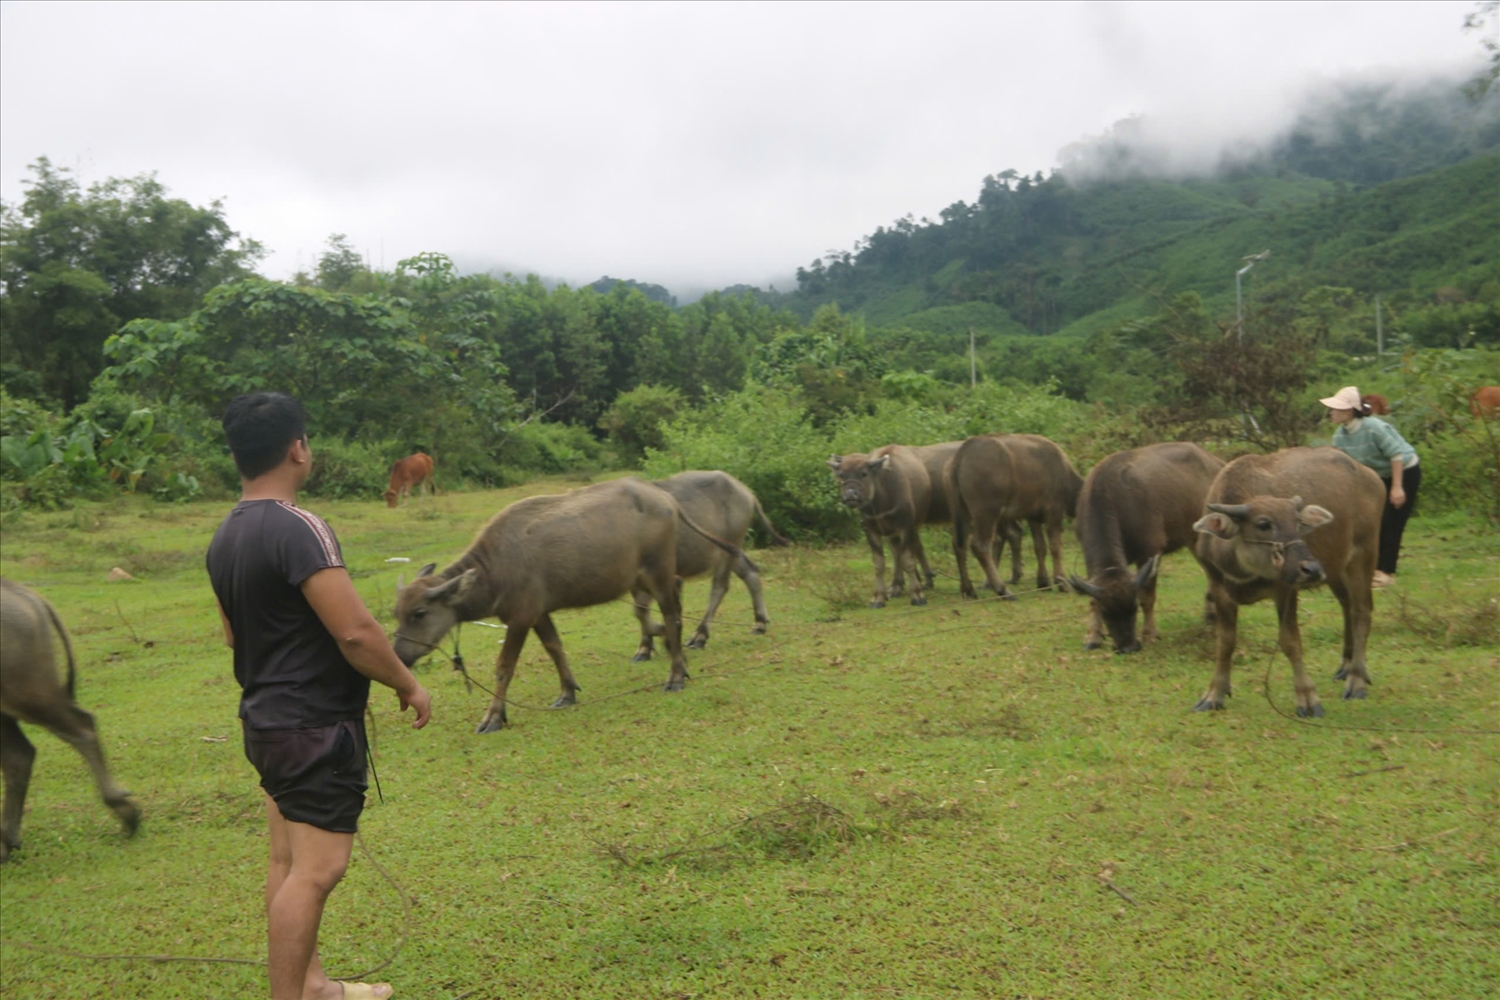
687, 144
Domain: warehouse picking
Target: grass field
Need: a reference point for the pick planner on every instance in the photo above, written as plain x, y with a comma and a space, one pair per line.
952, 800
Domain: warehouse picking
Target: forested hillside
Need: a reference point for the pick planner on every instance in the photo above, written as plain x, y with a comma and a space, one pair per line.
1100, 300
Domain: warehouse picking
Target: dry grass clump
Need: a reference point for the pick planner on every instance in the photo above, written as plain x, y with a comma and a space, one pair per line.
1459, 623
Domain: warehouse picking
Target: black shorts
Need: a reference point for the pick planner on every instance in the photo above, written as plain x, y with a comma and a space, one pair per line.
316, 776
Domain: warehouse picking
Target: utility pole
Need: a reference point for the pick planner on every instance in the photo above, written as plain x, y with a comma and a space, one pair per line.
1239, 299
1379, 329
973, 367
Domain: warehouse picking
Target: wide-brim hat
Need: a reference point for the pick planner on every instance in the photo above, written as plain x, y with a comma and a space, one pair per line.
1346, 398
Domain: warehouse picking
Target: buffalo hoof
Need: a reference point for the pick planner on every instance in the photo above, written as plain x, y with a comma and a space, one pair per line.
1093, 645
968, 592
1310, 711
129, 813
877, 604
1355, 695
759, 628
641, 655
673, 686
1127, 650
490, 725
1341, 672
564, 701
899, 590
919, 600
1208, 705
1008, 596
697, 642
931, 580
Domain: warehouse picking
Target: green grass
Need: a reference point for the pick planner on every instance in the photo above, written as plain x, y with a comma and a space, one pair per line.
910, 802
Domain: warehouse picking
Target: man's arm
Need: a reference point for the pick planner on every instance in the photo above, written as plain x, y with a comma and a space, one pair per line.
228, 629
361, 639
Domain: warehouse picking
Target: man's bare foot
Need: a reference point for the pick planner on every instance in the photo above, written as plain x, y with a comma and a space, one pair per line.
1382, 580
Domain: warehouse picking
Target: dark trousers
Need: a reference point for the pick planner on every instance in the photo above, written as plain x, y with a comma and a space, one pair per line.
1393, 520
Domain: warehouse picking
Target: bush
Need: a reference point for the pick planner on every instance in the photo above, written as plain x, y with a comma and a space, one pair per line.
349, 469
540, 447
634, 422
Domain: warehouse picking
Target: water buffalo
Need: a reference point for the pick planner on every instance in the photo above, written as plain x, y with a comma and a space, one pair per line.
407, 474
546, 553
1251, 546
721, 504
32, 692
1136, 506
891, 491
1000, 478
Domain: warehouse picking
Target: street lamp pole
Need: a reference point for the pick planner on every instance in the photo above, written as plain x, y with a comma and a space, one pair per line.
1239, 298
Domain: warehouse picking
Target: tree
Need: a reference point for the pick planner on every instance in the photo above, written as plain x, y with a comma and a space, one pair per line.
75, 265
1485, 19
339, 264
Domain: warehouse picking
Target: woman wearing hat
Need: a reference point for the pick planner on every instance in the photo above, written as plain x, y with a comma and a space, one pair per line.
1370, 441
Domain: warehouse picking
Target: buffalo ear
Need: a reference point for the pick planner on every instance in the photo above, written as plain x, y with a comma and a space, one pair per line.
1148, 571
876, 464
1312, 516
1085, 588
1218, 524
834, 461
454, 589
400, 581
427, 570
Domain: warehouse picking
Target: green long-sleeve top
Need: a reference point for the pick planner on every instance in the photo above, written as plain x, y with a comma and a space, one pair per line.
1373, 442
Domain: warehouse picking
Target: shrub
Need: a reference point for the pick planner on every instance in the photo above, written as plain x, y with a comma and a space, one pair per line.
634, 422
349, 469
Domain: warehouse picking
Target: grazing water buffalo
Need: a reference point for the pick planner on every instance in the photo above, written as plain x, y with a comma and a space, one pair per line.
891, 491
1251, 546
31, 691
543, 554
1000, 478
1136, 506
722, 505
407, 474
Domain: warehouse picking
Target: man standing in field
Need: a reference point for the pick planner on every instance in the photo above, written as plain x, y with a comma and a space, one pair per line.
305, 651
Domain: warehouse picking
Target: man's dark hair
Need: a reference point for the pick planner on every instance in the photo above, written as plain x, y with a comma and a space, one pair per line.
260, 427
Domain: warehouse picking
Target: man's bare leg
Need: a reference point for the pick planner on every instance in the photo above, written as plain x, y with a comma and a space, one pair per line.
306, 864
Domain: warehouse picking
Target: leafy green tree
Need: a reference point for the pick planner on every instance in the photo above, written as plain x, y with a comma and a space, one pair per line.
635, 421
75, 265
339, 265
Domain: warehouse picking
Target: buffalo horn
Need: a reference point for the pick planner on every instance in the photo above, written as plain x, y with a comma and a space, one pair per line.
427, 570
1238, 511
1084, 587
400, 580
834, 461
1298, 503
1148, 570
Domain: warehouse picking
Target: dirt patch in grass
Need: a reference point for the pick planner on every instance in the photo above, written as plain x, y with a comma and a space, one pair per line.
1474, 622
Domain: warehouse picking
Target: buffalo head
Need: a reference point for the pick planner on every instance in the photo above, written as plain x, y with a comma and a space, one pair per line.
856, 476
1116, 593
426, 609
1262, 540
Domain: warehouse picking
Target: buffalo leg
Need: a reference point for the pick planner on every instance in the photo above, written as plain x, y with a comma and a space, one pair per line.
75, 727
1289, 638
641, 600
715, 596
1039, 543
16, 755
1055, 540
552, 643
1011, 535
1354, 594
1226, 616
668, 591
1094, 638
961, 555
745, 571
914, 561
983, 546
877, 559
505, 668
927, 575
1147, 596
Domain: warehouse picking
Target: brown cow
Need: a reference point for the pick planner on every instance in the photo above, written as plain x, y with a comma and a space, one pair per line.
1485, 402
721, 504
1136, 506
407, 474
892, 493
546, 553
1000, 478
1251, 547
31, 691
